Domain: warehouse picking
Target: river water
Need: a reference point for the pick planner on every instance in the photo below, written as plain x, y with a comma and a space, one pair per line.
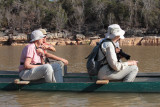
148, 57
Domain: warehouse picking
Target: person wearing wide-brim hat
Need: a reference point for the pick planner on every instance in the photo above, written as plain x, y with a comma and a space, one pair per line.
46, 46
112, 69
49, 57
32, 66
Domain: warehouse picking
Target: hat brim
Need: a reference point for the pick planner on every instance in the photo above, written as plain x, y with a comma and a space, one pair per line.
109, 36
37, 38
120, 33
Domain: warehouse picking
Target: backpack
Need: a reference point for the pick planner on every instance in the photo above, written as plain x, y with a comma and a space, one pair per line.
93, 64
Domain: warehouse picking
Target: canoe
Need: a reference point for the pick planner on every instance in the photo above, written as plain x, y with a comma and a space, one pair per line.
81, 82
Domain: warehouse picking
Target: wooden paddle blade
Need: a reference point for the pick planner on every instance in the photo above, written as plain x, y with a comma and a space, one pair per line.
17, 81
102, 81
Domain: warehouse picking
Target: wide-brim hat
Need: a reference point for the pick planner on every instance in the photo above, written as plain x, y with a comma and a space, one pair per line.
36, 35
43, 31
115, 30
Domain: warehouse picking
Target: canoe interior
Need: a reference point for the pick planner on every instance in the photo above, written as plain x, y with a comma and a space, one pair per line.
10, 76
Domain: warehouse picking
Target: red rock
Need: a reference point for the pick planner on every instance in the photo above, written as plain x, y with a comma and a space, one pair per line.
73, 43
94, 42
68, 42
61, 43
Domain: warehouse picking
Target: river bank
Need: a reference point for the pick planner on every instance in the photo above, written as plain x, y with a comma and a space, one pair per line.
23, 39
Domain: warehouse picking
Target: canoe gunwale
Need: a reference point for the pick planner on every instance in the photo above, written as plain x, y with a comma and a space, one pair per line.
140, 74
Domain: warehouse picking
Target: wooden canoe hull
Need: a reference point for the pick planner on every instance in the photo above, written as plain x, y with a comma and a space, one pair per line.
87, 87
75, 82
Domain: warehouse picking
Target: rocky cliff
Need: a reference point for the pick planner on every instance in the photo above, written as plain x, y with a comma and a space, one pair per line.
22, 39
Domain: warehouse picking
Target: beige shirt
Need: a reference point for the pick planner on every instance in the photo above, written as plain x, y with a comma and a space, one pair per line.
111, 57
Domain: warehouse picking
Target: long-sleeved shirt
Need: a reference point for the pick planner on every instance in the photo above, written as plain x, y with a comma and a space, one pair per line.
111, 58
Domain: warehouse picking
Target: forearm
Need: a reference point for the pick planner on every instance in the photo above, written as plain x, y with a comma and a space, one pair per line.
43, 60
49, 47
30, 66
48, 55
52, 49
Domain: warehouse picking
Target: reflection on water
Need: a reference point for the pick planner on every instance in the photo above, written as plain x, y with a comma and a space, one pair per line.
68, 99
148, 57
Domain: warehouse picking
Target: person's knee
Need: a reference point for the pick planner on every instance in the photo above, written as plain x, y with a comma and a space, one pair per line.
56, 66
60, 63
135, 68
48, 68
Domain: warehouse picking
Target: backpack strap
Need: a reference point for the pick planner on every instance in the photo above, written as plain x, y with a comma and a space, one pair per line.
106, 40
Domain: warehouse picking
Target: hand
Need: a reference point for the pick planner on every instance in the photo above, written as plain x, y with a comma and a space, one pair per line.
48, 47
132, 62
117, 50
40, 52
51, 48
44, 46
65, 61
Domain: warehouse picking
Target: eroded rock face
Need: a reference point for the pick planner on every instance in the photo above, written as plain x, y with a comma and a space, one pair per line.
80, 37
23, 39
144, 41
52, 36
61, 43
73, 43
20, 37
19, 44
158, 40
150, 40
94, 42
4, 38
2, 34
58, 35
94, 37
52, 43
131, 41
68, 42
86, 42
